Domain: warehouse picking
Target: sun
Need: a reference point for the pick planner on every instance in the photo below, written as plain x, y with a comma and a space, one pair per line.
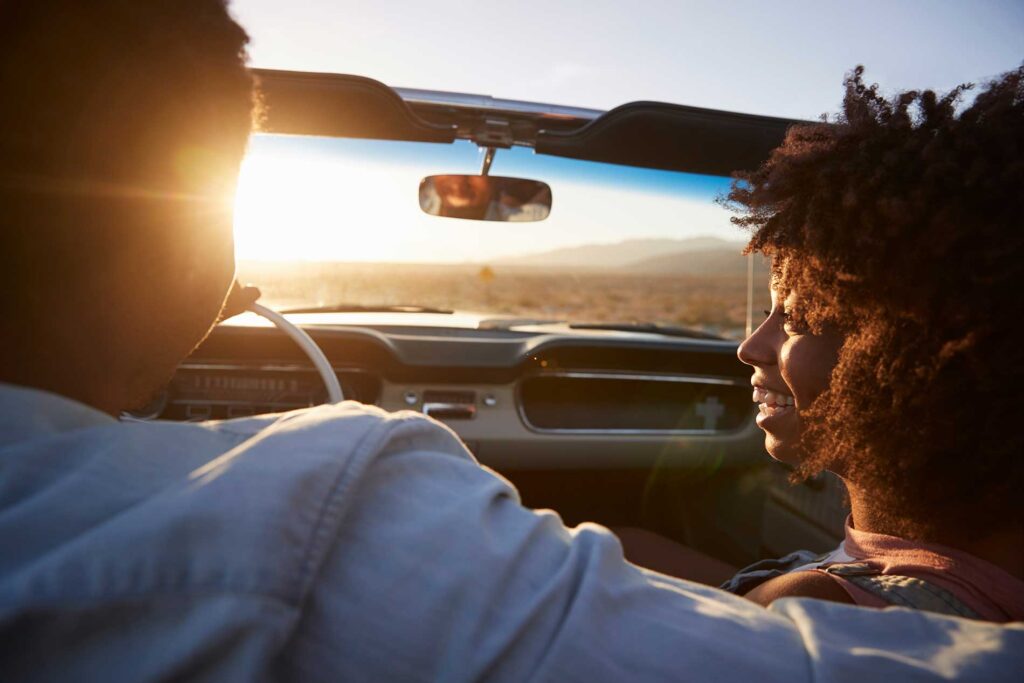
310, 208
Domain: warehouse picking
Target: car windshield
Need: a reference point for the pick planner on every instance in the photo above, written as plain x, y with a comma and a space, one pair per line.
325, 222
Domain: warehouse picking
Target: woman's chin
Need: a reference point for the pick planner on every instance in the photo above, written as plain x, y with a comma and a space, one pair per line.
781, 450
781, 434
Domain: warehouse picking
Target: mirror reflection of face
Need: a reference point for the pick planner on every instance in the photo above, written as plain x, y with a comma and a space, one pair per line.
460, 192
792, 367
485, 198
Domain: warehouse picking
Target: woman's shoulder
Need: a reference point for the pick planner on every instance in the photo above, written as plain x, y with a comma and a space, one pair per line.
799, 584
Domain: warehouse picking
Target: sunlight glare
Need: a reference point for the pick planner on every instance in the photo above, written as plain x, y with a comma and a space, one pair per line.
290, 208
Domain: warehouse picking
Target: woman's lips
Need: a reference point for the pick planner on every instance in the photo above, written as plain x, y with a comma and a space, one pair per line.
768, 418
773, 407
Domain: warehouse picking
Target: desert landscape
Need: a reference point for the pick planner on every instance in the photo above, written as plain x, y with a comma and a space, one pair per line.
699, 283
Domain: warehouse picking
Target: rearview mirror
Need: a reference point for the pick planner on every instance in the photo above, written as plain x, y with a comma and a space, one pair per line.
485, 198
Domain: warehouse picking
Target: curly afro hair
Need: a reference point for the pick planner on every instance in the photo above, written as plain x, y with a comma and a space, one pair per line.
899, 223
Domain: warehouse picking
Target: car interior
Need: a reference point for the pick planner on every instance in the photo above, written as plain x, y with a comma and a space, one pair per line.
625, 426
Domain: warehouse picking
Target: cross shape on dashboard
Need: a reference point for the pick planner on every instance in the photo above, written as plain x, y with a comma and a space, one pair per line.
710, 409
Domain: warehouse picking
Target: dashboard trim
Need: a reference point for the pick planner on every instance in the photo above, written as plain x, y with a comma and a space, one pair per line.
642, 376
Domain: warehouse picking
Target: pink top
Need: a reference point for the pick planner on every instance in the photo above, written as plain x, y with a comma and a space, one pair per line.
990, 591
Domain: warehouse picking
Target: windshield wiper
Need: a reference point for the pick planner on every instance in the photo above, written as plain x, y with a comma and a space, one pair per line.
360, 308
649, 328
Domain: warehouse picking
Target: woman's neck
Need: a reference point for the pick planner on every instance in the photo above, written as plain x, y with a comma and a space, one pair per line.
1004, 549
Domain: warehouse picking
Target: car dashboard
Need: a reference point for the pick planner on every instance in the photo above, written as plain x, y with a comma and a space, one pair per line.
519, 396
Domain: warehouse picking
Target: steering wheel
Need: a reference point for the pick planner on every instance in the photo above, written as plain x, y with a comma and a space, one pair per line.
306, 343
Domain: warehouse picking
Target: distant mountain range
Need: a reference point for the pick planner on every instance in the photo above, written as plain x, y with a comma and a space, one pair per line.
694, 256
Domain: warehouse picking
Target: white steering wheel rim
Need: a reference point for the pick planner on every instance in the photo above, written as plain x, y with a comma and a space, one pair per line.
306, 343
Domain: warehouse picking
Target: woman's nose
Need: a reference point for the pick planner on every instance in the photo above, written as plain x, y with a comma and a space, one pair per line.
758, 349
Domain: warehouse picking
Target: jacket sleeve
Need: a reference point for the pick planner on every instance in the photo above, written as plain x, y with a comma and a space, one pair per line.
438, 573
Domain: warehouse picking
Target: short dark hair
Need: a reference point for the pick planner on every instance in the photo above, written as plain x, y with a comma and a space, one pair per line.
104, 88
107, 102
899, 223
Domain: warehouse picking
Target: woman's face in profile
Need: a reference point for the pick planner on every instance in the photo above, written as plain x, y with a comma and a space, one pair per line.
791, 368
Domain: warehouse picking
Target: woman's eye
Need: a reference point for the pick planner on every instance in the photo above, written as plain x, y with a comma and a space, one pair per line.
793, 326
789, 322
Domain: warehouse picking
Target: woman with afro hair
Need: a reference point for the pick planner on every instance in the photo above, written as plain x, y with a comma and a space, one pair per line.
893, 354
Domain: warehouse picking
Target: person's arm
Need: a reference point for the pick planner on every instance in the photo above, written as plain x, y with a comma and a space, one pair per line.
439, 574
433, 571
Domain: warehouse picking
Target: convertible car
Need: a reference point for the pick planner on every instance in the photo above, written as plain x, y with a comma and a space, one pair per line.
632, 413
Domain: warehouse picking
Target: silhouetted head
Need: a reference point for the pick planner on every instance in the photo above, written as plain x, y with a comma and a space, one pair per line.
121, 133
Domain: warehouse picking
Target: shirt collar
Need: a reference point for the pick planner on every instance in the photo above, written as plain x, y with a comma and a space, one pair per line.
27, 413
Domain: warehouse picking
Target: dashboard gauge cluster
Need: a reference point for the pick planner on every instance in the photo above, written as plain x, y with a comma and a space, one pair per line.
212, 391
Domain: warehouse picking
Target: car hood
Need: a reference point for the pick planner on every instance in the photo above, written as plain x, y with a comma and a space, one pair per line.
458, 320
434, 323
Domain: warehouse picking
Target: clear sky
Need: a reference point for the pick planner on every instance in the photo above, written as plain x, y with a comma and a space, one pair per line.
781, 57
331, 201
